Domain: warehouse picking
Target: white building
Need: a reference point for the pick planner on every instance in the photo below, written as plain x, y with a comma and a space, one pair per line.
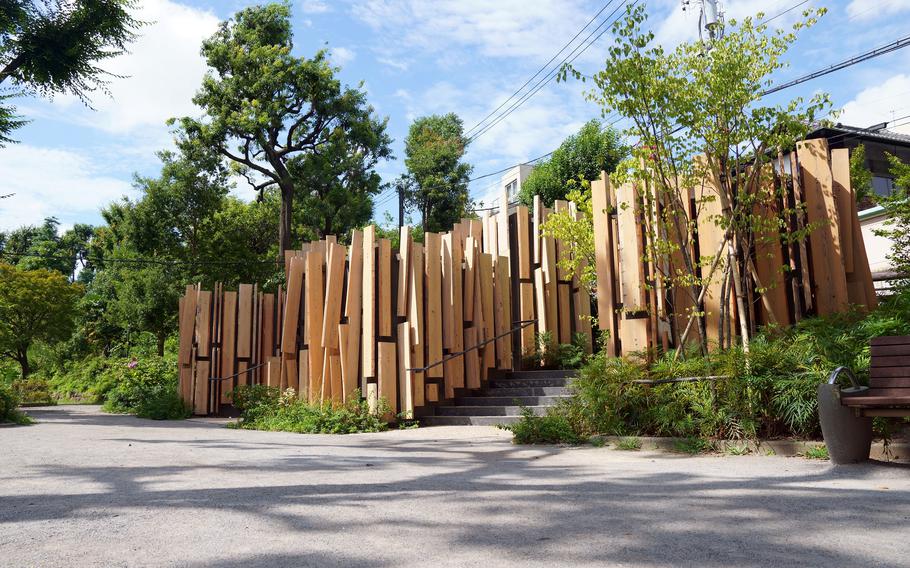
510, 182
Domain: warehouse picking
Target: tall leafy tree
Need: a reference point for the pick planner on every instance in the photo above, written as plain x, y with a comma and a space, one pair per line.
50, 47
265, 107
35, 305
436, 184
581, 157
42, 246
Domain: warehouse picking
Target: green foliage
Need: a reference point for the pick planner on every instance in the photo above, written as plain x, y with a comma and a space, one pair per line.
816, 453
34, 391
9, 403
552, 428
578, 234
897, 207
147, 388
579, 159
35, 306
270, 113
692, 445
550, 355
267, 408
629, 444
860, 175
55, 47
769, 393
738, 450
34, 247
436, 184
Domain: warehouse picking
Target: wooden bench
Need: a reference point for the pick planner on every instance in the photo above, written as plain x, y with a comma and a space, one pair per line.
889, 383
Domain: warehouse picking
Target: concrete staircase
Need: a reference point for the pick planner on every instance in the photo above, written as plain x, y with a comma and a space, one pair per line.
500, 402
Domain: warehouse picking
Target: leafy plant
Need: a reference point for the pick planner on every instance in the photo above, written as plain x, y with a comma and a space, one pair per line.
552, 428
147, 388
34, 391
816, 453
629, 444
9, 403
734, 450
693, 445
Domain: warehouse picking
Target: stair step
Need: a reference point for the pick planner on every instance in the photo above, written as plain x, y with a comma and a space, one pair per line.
526, 391
542, 374
508, 400
526, 383
487, 410
468, 420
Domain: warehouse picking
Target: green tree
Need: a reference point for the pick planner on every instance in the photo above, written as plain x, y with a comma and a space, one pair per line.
704, 98
860, 175
50, 47
33, 247
264, 107
35, 305
581, 157
897, 207
147, 298
437, 181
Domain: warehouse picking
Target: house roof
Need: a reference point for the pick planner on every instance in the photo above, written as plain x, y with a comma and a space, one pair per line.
878, 132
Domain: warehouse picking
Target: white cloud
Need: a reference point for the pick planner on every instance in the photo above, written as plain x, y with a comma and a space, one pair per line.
52, 182
880, 103
506, 28
314, 7
870, 10
394, 63
341, 56
160, 74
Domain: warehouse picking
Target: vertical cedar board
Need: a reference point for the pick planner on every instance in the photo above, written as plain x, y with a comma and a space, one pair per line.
187, 326
405, 377
204, 324
769, 259
296, 267
385, 288
354, 307
404, 254
369, 303
228, 344
843, 197
244, 321
470, 257
827, 261
387, 375
710, 236
488, 302
267, 348
504, 312
603, 255
448, 301
524, 258
416, 326
535, 235
630, 253
333, 295
502, 225
433, 303
314, 307
201, 388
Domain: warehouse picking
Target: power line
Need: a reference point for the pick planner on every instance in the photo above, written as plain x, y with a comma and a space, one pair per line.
143, 260
553, 73
544, 67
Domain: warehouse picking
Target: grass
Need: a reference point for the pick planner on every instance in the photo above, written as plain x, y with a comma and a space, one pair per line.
629, 444
693, 446
552, 428
816, 453
738, 450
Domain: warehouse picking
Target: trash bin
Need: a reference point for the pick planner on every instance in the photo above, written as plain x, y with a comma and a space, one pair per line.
848, 437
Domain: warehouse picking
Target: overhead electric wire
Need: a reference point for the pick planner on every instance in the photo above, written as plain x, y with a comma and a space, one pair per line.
543, 68
144, 260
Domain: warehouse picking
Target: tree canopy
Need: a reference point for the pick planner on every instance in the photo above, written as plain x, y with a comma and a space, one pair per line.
50, 47
267, 110
436, 184
581, 157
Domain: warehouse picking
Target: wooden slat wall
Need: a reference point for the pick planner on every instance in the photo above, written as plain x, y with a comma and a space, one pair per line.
365, 317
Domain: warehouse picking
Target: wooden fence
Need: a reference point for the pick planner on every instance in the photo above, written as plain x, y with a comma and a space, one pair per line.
369, 318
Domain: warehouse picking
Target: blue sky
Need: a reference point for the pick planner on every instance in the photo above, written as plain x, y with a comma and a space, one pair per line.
415, 57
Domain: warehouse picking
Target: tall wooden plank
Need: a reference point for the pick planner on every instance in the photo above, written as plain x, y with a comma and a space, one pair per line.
368, 343
303, 374
523, 241
388, 374
273, 372
502, 226
314, 312
434, 312
353, 308
404, 255
201, 388
405, 376
416, 323
827, 255
204, 324
843, 197
630, 252
634, 335
860, 288
267, 309
800, 224
448, 302
710, 237
187, 325
525, 284
385, 288
244, 321
334, 289
289, 326
455, 367
470, 257
334, 356
487, 297
471, 359
503, 313
769, 258
538, 213
291, 379
603, 256
348, 374
228, 345
544, 324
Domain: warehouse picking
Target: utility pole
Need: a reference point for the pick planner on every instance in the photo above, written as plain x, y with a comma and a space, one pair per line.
710, 18
400, 206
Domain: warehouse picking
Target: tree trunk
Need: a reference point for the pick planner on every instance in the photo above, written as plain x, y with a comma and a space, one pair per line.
161, 337
284, 224
22, 359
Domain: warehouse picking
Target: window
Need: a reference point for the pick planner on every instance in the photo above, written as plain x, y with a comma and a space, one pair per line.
882, 186
512, 189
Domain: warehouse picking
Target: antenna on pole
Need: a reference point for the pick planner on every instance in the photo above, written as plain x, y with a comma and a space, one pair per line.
710, 18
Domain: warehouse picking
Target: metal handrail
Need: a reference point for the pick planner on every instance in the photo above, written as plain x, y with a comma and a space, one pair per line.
237, 374
521, 325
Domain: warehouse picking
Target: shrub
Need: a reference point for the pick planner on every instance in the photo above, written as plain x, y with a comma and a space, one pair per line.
9, 403
33, 391
548, 354
629, 444
266, 408
552, 428
147, 388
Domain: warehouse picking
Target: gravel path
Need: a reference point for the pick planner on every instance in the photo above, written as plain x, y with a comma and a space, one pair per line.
82, 488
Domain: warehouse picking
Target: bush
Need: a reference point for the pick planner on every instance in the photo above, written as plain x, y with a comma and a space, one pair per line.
552, 428
769, 393
33, 391
146, 387
9, 403
266, 408
548, 354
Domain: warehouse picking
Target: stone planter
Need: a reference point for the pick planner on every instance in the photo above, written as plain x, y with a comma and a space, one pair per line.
848, 437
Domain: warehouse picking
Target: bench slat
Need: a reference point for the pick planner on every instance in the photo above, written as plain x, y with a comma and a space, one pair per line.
890, 382
877, 401
896, 361
889, 350
891, 372
892, 340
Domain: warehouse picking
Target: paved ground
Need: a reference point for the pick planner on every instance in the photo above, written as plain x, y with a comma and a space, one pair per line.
87, 489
